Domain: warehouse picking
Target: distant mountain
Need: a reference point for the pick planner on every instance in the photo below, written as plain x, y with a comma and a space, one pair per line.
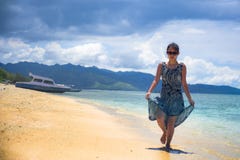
95, 78
212, 89
84, 77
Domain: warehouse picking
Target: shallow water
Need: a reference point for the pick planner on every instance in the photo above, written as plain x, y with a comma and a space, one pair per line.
213, 126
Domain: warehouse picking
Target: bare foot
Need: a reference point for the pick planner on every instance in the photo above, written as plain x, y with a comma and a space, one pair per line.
163, 138
168, 148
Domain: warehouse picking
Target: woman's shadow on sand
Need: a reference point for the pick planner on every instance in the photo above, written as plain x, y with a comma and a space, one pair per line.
173, 151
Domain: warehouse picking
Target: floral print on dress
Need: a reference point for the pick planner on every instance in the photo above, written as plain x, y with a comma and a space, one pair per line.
171, 92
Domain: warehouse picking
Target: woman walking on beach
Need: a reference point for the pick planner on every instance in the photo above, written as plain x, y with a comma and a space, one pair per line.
173, 79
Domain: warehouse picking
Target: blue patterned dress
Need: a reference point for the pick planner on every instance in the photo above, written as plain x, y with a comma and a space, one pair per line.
171, 93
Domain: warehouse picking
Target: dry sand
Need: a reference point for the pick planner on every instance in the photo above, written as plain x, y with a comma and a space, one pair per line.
42, 126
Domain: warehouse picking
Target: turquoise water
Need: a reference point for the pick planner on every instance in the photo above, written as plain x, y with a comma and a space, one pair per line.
211, 106
215, 118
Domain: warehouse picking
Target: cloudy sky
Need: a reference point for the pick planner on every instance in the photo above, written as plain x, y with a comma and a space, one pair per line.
125, 35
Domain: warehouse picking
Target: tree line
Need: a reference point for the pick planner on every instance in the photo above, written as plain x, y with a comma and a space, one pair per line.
6, 77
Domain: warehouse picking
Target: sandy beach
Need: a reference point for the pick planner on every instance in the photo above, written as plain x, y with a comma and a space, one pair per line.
40, 126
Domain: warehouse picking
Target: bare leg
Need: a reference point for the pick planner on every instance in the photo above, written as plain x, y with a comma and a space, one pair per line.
161, 124
170, 130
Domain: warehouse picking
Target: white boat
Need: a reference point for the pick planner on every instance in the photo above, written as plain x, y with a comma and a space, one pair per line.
45, 84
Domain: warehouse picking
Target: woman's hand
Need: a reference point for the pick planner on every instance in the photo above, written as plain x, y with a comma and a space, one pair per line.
191, 102
147, 95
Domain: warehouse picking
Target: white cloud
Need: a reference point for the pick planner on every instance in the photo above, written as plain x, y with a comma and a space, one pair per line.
17, 43
201, 71
6, 56
193, 31
14, 50
215, 41
209, 48
84, 54
151, 51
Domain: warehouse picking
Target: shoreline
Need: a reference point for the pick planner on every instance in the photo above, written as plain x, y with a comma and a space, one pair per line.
191, 137
133, 121
38, 125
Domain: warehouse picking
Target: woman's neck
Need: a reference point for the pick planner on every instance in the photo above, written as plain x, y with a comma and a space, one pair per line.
172, 62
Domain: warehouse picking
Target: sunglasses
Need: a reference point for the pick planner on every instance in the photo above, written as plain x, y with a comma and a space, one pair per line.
172, 53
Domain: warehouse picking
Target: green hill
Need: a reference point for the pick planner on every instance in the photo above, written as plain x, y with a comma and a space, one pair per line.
84, 77
10, 77
95, 78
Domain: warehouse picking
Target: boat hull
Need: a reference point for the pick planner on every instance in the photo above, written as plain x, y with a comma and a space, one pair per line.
43, 88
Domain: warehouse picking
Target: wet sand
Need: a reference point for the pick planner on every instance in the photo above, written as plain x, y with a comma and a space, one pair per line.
36, 125
39, 126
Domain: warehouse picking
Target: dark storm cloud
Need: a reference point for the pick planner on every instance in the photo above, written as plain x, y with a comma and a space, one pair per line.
36, 20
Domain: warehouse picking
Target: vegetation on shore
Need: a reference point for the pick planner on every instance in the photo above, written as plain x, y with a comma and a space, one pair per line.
96, 78
7, 77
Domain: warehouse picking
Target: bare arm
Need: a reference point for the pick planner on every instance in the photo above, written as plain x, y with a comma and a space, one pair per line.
185, 86
155, 81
